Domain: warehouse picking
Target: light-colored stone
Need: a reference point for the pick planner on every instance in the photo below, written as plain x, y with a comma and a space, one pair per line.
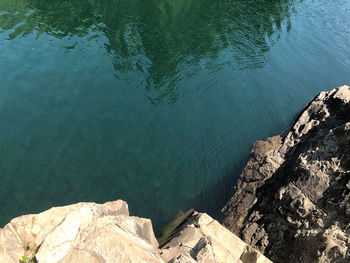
66, 236
231, 242
118, 207
141, 227
95, 233
206, 241
343, 93
83, 232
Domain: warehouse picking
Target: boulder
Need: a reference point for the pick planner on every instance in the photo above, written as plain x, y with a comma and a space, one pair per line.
202, 239
84, 232
95, 233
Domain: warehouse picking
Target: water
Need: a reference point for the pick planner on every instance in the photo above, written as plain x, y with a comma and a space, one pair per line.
156, 102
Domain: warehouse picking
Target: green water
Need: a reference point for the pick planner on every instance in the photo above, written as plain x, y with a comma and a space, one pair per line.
156, 102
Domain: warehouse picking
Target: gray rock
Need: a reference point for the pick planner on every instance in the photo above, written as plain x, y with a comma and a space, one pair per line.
292, 199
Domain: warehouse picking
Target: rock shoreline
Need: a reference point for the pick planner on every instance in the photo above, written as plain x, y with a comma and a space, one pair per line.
106, 233
292, 200
291, 203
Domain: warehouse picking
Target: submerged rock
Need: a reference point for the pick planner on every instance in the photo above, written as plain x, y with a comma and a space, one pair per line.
292, 200
89, 232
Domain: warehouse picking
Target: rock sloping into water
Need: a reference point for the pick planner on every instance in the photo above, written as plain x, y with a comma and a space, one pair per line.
200, 238
90, 232
292, 200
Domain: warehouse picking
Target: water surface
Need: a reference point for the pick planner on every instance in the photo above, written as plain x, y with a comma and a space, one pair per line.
156, 102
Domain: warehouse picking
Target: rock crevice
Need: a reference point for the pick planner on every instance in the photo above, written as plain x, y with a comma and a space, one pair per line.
292, 199
89, 232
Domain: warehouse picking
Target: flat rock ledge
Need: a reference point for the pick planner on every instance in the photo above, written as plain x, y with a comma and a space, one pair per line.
292, 200
103, 233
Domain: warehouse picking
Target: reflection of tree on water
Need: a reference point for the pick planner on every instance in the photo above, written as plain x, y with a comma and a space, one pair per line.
152, 38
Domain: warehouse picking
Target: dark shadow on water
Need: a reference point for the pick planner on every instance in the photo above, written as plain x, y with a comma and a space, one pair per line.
218, 194
213, 198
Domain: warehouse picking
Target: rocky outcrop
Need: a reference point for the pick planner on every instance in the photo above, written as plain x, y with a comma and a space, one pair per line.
84, 232
200, 238
292, 200
89, 232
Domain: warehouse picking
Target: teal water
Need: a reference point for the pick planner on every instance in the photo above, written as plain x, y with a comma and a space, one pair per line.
156, 102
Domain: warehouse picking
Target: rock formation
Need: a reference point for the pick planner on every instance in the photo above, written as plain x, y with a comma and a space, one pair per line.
292, 200
292, 203
89, 232
200, 238
84, 232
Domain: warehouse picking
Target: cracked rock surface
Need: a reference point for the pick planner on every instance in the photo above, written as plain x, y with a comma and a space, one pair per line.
105, 233
83, 232
202, 239
292, 200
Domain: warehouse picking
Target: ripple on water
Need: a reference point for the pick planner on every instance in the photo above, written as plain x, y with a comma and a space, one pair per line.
154, 102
